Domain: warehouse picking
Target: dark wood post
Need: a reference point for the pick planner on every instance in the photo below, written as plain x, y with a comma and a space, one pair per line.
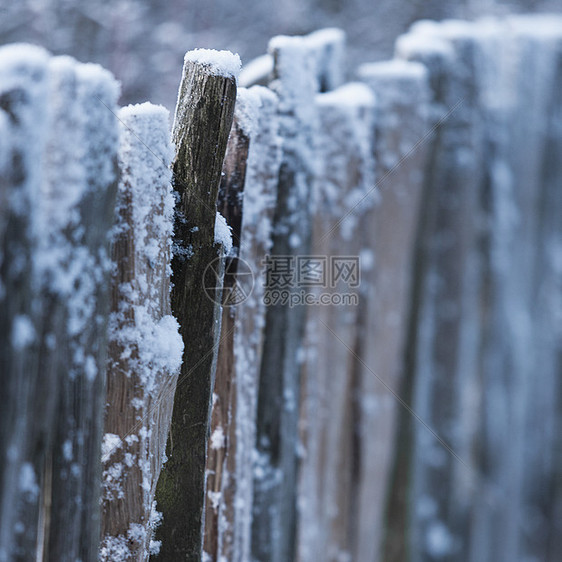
201, 127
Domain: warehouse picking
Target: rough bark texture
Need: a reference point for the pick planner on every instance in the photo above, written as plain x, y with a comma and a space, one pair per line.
202, 124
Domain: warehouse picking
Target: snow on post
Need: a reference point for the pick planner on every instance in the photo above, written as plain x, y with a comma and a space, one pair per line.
447, 293
402, 93
344, 201
83, 141
260, 196
202, 124
220, 456
247, 198
328, 50
295, 83
521, 352
145, 348
23, 99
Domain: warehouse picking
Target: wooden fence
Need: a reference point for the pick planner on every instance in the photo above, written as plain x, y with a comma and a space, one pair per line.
321, 322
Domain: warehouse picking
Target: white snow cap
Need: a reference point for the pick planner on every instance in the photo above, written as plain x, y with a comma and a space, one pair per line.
223, 233
354, 94
256, 70
220, 63
396, 68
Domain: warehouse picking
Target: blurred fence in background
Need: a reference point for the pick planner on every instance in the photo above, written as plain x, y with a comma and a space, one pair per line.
358, 358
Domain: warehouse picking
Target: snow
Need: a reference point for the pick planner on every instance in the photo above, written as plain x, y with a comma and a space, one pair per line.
413, 43
256, 71
351, 94
215, 498
110, 444
23, 332
246, 111
219, 63
28, 480
397, 68
223, 233
217, 438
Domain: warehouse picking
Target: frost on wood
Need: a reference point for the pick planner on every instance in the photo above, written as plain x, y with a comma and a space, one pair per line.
258, 207
145, 348
81, 175
328, 494
247, 198
475, 360
400, 150
23, 97
218, 508
62, 147
202, 123
274, 501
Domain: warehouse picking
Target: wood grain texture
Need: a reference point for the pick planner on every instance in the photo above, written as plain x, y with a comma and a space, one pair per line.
202, 124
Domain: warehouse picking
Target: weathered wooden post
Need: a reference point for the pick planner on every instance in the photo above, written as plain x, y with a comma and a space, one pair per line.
274, 519
23, 107
344, 199
201, 127
218, 509
230, 459
145, 349
445, 306
78, 246
400, 150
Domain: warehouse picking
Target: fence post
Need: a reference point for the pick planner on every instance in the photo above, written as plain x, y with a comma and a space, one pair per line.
145, 348
256, 112
274, 521
23, 414
201, 127
401, 145
80, 282
445, 303
218, 513
327, 482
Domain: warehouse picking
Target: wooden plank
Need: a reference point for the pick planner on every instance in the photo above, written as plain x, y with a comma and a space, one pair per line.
259, 205
239, 359
441, 355
201, 127
145, 348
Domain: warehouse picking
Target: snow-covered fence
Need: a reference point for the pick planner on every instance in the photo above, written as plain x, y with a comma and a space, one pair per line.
59, 150
418, 421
